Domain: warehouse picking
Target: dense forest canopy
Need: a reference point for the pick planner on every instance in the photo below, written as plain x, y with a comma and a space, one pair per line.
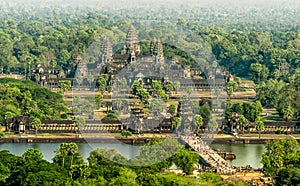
27, 98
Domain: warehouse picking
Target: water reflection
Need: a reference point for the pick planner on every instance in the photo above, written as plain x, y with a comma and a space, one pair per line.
246, 154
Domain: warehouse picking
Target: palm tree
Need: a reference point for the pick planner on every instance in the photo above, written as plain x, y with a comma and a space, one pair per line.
63, 151
73, 148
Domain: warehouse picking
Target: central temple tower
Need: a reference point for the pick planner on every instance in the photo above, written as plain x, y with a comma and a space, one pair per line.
132, 46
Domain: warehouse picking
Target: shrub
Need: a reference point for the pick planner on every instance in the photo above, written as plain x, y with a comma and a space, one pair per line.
126, 133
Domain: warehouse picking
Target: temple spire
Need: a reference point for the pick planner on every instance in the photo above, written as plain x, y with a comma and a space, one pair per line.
105, 50
132, 44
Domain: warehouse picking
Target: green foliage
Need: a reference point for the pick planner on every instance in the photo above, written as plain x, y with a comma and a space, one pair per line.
186, 160
284, 153
64, 116
36, 124
104, 167
172, 109
249, 110
137, 89
67, 155
210, 178
176, 121
231, 87
288, 176
32, 155
80, 171
112, 115
64, 85
2, 134
102, 157
4, 173
126, 133
28, 98
205, 112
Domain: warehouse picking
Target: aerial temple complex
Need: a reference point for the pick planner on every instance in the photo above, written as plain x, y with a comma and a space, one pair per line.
112, 63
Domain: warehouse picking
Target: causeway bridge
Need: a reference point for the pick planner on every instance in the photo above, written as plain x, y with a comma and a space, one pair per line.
208, 156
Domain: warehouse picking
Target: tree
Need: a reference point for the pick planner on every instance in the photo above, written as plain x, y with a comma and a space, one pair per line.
172, 109
197, 122
288, 113
98, 100
256, 69
111, 115
36, 124
63, 150
186, 159
126, 133
231, 87
157, 87
102, 82
169, 87
32, 155
259, 125
4, 173
80, 171
243, 122
213, 126
288, 176
176, 122
205, 112
283, 153
72, 149
64, 85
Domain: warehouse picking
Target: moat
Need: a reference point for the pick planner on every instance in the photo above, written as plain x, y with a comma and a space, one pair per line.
246, 154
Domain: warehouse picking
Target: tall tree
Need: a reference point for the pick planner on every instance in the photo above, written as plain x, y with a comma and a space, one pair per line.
72, 149
36, 124
64, 85
63, 150
197, 122
259, 125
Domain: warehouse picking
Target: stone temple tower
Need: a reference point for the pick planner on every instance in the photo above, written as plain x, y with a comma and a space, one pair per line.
105, 51
131, 46
156, 50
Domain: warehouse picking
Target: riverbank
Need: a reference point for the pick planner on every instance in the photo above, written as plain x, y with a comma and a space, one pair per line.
136, 139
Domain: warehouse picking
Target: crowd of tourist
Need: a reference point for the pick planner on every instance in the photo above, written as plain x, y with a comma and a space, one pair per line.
209, 156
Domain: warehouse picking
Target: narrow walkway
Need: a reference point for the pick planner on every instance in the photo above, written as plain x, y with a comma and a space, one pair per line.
208, 155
